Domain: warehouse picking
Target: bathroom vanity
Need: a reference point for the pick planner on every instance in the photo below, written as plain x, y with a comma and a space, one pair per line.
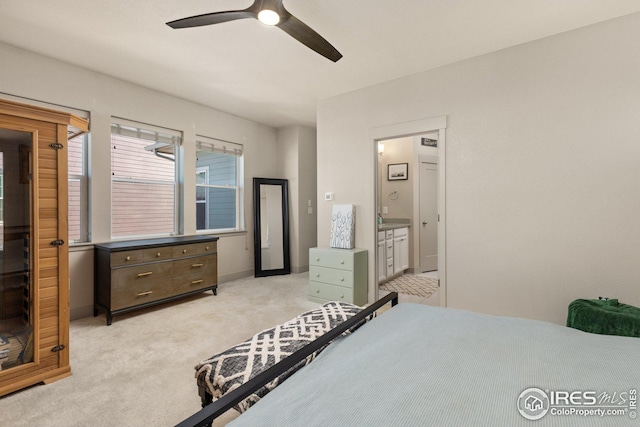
393, 249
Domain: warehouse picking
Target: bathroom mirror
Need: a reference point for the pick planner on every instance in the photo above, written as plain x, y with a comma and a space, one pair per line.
271, 226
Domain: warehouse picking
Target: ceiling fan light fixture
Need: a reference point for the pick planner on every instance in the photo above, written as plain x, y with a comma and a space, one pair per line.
268, 17
268, 12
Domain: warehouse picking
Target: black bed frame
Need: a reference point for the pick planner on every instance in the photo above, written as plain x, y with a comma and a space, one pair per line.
211, 411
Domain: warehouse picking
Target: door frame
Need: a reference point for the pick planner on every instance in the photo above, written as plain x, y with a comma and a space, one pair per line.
413, 128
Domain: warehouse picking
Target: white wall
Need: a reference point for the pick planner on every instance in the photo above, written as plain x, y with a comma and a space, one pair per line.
307, 191
400, 204
542, 173
297, 163
33, 76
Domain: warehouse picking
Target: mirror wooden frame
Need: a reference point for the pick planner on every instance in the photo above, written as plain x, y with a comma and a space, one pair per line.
257, 231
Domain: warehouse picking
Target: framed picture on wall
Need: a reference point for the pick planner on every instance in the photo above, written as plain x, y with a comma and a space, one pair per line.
397, 171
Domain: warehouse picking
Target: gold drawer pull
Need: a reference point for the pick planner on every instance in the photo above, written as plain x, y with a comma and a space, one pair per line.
184, 251
158, 254
128, 258
207, 248
144, 294
196, 265
147, 273
195, 282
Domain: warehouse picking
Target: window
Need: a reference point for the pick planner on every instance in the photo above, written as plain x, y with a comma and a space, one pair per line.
78, 189
218, 184
144, 190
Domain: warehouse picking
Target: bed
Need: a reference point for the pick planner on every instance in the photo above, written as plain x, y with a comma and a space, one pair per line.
416, 365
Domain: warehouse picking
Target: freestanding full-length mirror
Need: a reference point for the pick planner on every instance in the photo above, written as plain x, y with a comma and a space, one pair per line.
271, 226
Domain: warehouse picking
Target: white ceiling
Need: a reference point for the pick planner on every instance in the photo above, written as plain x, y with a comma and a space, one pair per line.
261, 73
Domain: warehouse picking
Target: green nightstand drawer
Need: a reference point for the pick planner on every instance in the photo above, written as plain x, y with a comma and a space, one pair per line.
331, 276
333, 258
325, 292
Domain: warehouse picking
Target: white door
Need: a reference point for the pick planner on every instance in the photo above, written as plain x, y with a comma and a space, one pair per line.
428, 216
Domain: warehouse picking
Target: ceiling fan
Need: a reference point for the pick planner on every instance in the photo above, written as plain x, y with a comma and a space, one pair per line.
269, 12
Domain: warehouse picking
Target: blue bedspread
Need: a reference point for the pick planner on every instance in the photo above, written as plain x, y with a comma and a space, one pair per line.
416, 365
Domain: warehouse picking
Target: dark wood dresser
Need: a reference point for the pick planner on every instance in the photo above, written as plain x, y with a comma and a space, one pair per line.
135, 274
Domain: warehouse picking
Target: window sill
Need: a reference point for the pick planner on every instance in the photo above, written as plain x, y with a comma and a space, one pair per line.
222, 233
80, 246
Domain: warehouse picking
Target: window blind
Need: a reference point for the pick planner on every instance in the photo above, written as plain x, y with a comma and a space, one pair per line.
205, 143
145, 132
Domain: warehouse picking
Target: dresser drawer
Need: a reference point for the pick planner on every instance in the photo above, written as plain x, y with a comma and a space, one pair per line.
330, 292
331, 276
181, 251
156, 254
119, 259
194, 273
155, 272
140, 284
191, 266
193, 283
331, 259
207, 248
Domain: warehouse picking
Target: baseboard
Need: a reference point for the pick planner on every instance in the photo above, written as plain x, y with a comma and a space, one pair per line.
80, 312
302, 269
235, 276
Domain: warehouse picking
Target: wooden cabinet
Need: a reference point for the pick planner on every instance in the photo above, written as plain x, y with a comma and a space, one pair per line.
338, 275
139, 273
34, 259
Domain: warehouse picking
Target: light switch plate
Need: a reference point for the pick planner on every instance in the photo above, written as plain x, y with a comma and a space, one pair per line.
328, 196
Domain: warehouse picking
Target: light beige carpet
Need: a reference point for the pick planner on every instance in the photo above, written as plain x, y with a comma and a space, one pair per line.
409, 284
140, 370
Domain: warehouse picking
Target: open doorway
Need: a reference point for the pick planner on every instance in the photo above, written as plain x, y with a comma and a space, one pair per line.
411, 233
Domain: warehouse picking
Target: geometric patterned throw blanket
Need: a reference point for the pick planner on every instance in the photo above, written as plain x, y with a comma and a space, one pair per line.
233, 367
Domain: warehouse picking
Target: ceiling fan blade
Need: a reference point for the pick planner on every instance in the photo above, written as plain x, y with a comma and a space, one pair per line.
212, 18
307, 36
